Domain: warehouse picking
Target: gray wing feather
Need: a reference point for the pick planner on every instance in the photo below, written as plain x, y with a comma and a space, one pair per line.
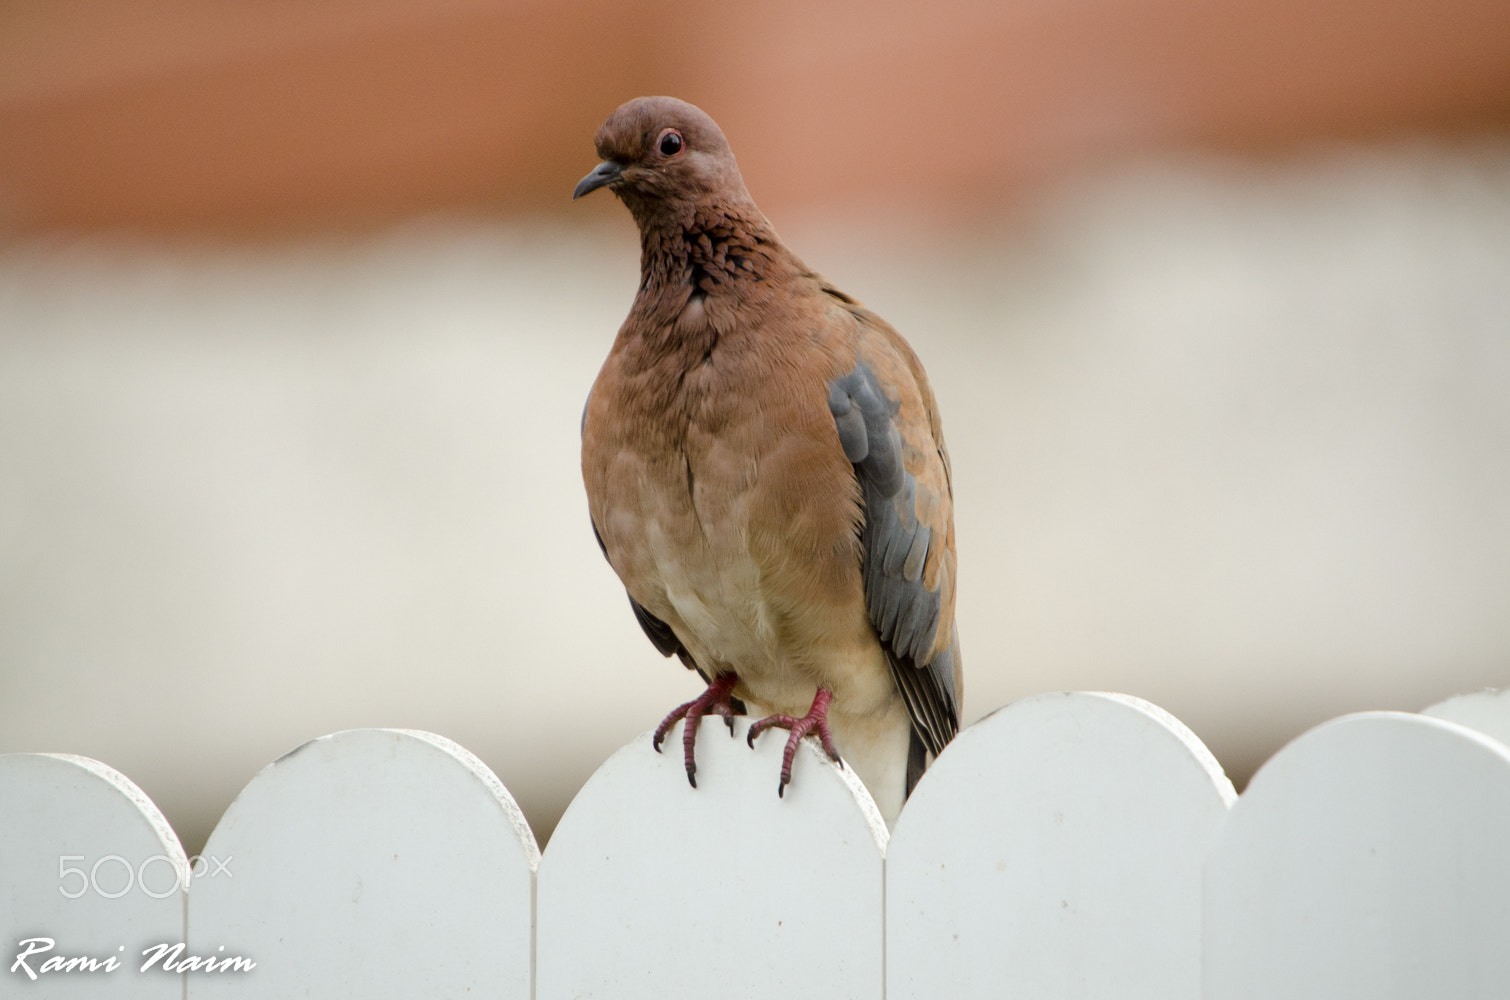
904, 612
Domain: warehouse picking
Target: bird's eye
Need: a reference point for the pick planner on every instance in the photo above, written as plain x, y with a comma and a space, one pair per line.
671, 142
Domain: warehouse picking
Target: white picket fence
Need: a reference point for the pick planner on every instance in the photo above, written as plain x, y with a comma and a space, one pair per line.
1066, 846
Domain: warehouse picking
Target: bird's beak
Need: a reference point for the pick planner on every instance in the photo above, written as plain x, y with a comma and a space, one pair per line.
602, 175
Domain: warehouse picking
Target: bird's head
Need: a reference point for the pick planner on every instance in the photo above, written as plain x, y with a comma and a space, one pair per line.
659, 149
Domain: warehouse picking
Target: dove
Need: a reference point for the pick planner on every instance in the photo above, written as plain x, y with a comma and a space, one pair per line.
766, 473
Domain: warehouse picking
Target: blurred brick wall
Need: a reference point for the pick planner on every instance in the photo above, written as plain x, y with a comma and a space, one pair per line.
283, 115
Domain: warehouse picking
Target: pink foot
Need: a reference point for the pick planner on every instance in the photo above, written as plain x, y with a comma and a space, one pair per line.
816, 718
718, 700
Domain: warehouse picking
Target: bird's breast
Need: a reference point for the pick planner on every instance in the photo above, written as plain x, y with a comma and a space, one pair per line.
726, 504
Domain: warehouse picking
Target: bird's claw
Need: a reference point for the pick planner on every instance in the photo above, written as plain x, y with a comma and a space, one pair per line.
717, 699
816, 720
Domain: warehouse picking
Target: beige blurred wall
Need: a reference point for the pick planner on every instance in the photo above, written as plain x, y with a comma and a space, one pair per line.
1232, 440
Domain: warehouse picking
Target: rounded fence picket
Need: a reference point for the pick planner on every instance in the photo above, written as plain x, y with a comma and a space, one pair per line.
1055, 849
91, 877
374, 862
650, 888
1366, 859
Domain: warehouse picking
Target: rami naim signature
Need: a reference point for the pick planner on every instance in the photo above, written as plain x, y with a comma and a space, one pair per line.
166, 957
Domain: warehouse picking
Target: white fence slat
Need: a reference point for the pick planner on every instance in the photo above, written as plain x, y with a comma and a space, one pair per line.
1486, 711
1054, 850
370, 863
60, 812
650, 888
1369, 858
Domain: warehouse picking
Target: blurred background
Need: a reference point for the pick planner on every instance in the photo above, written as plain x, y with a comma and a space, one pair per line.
297, 320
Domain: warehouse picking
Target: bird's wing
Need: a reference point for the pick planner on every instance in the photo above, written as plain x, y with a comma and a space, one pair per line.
889, 427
